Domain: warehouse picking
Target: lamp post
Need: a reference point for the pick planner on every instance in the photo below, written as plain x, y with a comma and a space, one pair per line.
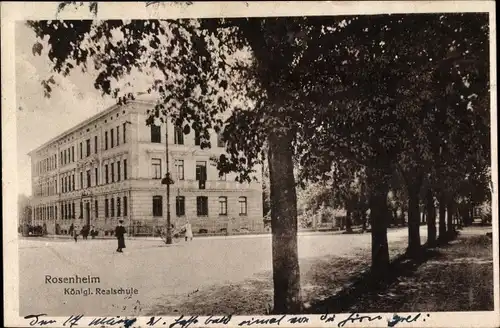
167, 181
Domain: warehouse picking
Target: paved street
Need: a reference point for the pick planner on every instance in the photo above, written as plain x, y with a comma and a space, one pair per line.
154, 269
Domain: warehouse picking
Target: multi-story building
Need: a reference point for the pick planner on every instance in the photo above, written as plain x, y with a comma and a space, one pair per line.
110, 167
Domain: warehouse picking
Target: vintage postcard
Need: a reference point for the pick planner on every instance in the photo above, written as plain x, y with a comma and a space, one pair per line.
237, 164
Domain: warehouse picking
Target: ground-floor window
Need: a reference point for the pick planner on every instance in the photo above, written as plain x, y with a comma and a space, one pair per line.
157, 206
112, 207
180, 206
243, 205
106, 208
125, 206
118, 207
222, 205
202, 205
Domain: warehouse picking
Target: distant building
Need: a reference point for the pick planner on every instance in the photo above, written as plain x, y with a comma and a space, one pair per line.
110, 167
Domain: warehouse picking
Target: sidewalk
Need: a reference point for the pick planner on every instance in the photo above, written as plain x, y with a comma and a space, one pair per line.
209, 236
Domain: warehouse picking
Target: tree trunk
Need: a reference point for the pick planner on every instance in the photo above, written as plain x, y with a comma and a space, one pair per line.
471, 214
413, 219
348, 222
431, 219
286, 273
442, 216
363, 220
451, 229
403, 219
379, 215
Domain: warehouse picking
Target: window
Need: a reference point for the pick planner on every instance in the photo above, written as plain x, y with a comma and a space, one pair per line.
112, 137
106, 173
124, 169
222, 205
73, 181
88, 147
95, 144
65, 211
201, 170
81, 209
106, 140
81, 150
118, 171
106, 208
62, 185
220, 141
178, 135
117, 135
125, 206
197, 137
202, 205
72, 153
180, 206
112, 207
157, 206
65, 158
96, 172
55, 185
89, 183
112, 169
201, 174
155, 134
81, 180
60, 160
156, 167
243, 205
124, 132
118, 207
179, 164
96, 209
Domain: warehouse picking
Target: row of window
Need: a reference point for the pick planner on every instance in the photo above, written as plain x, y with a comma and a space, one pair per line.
179, 136
46, 165
118, 207
109, 207
201, 170
46, 188
111, 134
68, 155
68, 182
201, 205
113, 207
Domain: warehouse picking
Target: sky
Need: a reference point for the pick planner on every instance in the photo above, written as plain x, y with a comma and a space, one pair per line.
39, 119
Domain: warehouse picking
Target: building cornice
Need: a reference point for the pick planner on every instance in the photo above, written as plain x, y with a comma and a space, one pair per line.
88, 121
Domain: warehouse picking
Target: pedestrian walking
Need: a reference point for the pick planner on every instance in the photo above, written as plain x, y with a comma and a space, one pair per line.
75, 234
189, 231
120, 235
85, 232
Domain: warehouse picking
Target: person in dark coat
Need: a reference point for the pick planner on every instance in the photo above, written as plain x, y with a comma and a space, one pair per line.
85, 231
119, 233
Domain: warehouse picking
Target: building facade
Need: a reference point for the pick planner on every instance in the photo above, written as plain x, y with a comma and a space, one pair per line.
110, 167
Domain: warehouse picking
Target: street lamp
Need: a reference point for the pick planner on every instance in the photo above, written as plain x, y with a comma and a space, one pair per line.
167, 180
